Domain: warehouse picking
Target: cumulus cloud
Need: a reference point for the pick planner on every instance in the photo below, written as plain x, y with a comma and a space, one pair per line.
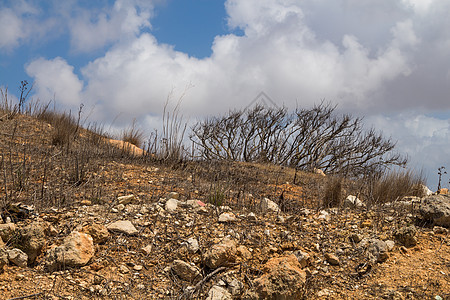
91, 29
424, 138
20, 24
54, 79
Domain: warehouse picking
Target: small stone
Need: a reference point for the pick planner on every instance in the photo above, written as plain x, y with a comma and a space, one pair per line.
332, 259
220, 254
218, 293
227, 217
192, 245
18, 257
120, 207
138, 267
125, 227
251, 217
147, 249
98, 232
125, 199
86, 202
186, 271
303, 258
171, 205
123, 269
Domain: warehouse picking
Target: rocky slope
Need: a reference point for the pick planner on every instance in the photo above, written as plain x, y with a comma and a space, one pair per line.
140, 230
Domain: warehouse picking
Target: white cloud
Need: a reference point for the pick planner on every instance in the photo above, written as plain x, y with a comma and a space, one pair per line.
54, 79
424, 138
12, 29
21, 24
92, 29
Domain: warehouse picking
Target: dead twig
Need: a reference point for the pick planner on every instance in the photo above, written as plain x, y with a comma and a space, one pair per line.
27, 296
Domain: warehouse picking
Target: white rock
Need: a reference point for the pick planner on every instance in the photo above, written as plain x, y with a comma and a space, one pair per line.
268, 205
227, 217
171, 205
122, 227
352, 201
192, 245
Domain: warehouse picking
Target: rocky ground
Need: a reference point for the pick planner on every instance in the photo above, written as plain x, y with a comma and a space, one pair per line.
146, 231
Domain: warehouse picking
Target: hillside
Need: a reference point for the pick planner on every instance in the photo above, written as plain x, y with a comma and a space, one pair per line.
87, 219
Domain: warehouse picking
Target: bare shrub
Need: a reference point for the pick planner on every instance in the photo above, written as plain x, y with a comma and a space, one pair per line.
305, 139
333, 193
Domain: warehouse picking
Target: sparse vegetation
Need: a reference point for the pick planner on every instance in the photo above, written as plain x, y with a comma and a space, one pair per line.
73, 176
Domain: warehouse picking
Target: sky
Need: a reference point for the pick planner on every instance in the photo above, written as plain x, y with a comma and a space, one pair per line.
386, 60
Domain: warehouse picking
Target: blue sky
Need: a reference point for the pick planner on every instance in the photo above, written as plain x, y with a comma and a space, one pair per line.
386, 60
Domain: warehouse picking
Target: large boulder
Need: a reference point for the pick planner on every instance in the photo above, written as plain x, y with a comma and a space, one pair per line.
221, 254
76, 251
436, 209
283, 279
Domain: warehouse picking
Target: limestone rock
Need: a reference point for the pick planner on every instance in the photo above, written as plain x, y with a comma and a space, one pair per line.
377, 250
443, 191
186, 271
171, 205
251, 217
436, 209
147, 249
18, 257
220, 254
227, 217
218, 293
7, 231
192, 245
268, 205
406, 236
123, 226
98, 232
32, 240
283, 279
353, 201
76, 251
